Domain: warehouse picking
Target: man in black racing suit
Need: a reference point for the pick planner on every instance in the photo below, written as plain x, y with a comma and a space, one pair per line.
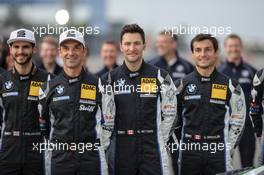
213, 111
19, 102
77, 111
145, 98
256, 108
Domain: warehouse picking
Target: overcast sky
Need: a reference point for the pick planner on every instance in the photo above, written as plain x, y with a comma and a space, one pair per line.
245, 17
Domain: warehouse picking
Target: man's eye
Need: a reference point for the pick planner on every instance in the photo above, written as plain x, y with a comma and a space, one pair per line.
208, 49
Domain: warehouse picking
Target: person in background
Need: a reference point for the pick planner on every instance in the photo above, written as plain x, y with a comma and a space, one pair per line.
109, 53
169, 58
235, 68
48, 52
7, 62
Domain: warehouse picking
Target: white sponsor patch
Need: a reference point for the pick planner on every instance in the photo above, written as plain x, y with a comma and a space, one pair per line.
61, 98
192, 97
8, 94
217, 101
244, 80
32, 98
128, 91
86, 108
87, 102
148, 95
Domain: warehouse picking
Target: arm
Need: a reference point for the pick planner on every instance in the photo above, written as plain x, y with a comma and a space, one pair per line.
43, 107
238, 114
179, 121
168, 105
1, 106
256, 108
108, 112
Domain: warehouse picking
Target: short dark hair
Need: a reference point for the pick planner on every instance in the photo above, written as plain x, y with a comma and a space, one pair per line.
50, 40
169, 33
132, 28
233, 36
111, 42
201, 37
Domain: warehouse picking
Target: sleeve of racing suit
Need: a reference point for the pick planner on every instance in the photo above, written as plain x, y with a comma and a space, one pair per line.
168, 105
179, 123
238, 114
256, 108
43, 108
1, 107
108, 111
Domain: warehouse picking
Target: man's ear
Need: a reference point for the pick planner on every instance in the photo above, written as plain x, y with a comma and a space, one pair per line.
144, 46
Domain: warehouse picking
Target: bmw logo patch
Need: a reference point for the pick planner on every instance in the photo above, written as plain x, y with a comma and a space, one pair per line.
8, 85
191, 89
60, 90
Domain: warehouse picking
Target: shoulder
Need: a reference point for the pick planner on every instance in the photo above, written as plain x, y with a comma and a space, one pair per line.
185, 62
258, 78
155, 61
250, 68
222, 67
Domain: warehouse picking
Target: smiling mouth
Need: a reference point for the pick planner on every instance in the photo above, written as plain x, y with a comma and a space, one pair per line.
132, 54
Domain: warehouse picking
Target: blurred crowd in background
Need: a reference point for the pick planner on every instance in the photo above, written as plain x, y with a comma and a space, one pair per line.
102, 21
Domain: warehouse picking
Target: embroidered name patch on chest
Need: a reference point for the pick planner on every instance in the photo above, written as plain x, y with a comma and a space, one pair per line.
219, 91
88, 92
148, 85
34, 88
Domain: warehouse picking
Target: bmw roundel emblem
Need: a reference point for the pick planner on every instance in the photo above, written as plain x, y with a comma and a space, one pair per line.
60, 89
8, 85
191, 88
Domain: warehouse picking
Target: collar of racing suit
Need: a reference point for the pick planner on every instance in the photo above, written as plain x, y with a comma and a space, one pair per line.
74, 79
233, 64
107, 70
132, 74
32, 72
206, 79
